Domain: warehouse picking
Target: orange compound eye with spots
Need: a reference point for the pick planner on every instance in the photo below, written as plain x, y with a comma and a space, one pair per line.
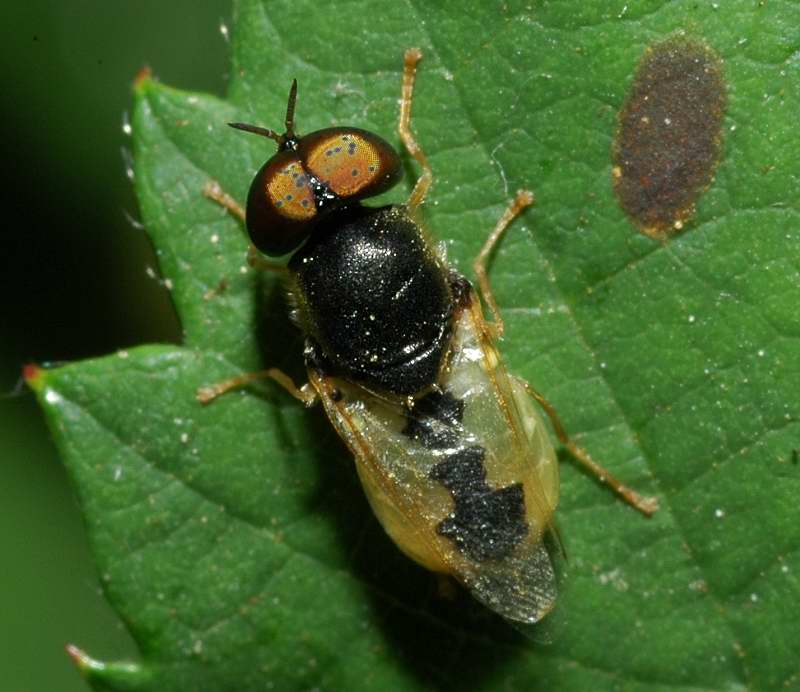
352, 163
281, 210
288, 190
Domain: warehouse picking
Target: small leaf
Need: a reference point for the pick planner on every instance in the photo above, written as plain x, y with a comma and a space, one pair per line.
234, 540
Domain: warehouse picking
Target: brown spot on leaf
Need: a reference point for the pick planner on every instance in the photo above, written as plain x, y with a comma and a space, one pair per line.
669, 139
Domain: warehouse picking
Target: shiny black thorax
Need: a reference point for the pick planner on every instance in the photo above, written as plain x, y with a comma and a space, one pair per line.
374, 300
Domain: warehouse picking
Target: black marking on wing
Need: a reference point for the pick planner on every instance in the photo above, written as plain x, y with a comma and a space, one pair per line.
433, 420
441, 406
486, 523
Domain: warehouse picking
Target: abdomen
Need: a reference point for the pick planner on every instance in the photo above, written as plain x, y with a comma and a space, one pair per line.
466, 481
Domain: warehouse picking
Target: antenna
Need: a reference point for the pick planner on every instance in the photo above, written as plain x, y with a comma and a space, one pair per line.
287, 136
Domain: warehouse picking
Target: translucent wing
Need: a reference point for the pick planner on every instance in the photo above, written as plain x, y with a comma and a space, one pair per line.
465, 481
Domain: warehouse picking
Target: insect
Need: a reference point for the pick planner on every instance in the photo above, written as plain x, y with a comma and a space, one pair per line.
452, 453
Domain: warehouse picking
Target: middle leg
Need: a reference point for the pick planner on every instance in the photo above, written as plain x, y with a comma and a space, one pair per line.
523, 200
306, 393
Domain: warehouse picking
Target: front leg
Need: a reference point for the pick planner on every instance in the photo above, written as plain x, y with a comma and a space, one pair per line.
213, 191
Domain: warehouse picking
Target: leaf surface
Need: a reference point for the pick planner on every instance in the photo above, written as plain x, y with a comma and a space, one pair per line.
234, 540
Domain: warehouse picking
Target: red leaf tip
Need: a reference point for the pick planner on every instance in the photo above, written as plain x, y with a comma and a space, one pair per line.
79, 658
31, 372
143, 75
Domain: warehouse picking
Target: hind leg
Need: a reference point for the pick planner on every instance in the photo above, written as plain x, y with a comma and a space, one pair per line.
647, 505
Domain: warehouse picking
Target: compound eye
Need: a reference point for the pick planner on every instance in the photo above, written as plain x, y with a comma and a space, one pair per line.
280, 205
353, 163
287, 188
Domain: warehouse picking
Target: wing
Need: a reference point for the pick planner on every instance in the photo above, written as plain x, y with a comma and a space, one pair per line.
465, 480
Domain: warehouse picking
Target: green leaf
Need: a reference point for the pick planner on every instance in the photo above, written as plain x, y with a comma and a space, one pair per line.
234, 540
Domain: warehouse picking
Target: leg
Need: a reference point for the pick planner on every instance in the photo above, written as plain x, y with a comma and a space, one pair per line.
412, 57
646, 505
214, 192
256, 261
523, 199
306, 394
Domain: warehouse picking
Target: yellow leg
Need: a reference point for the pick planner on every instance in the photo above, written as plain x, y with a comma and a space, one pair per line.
523, 200
256, 261
306, 393
645, 504
412, 57
213, 191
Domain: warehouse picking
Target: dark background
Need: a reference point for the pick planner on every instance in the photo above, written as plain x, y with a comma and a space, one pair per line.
77, 281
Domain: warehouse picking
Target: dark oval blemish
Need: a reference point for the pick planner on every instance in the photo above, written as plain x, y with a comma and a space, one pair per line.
669, 139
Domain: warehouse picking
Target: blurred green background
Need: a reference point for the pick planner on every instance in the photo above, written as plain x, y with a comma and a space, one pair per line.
76, 282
